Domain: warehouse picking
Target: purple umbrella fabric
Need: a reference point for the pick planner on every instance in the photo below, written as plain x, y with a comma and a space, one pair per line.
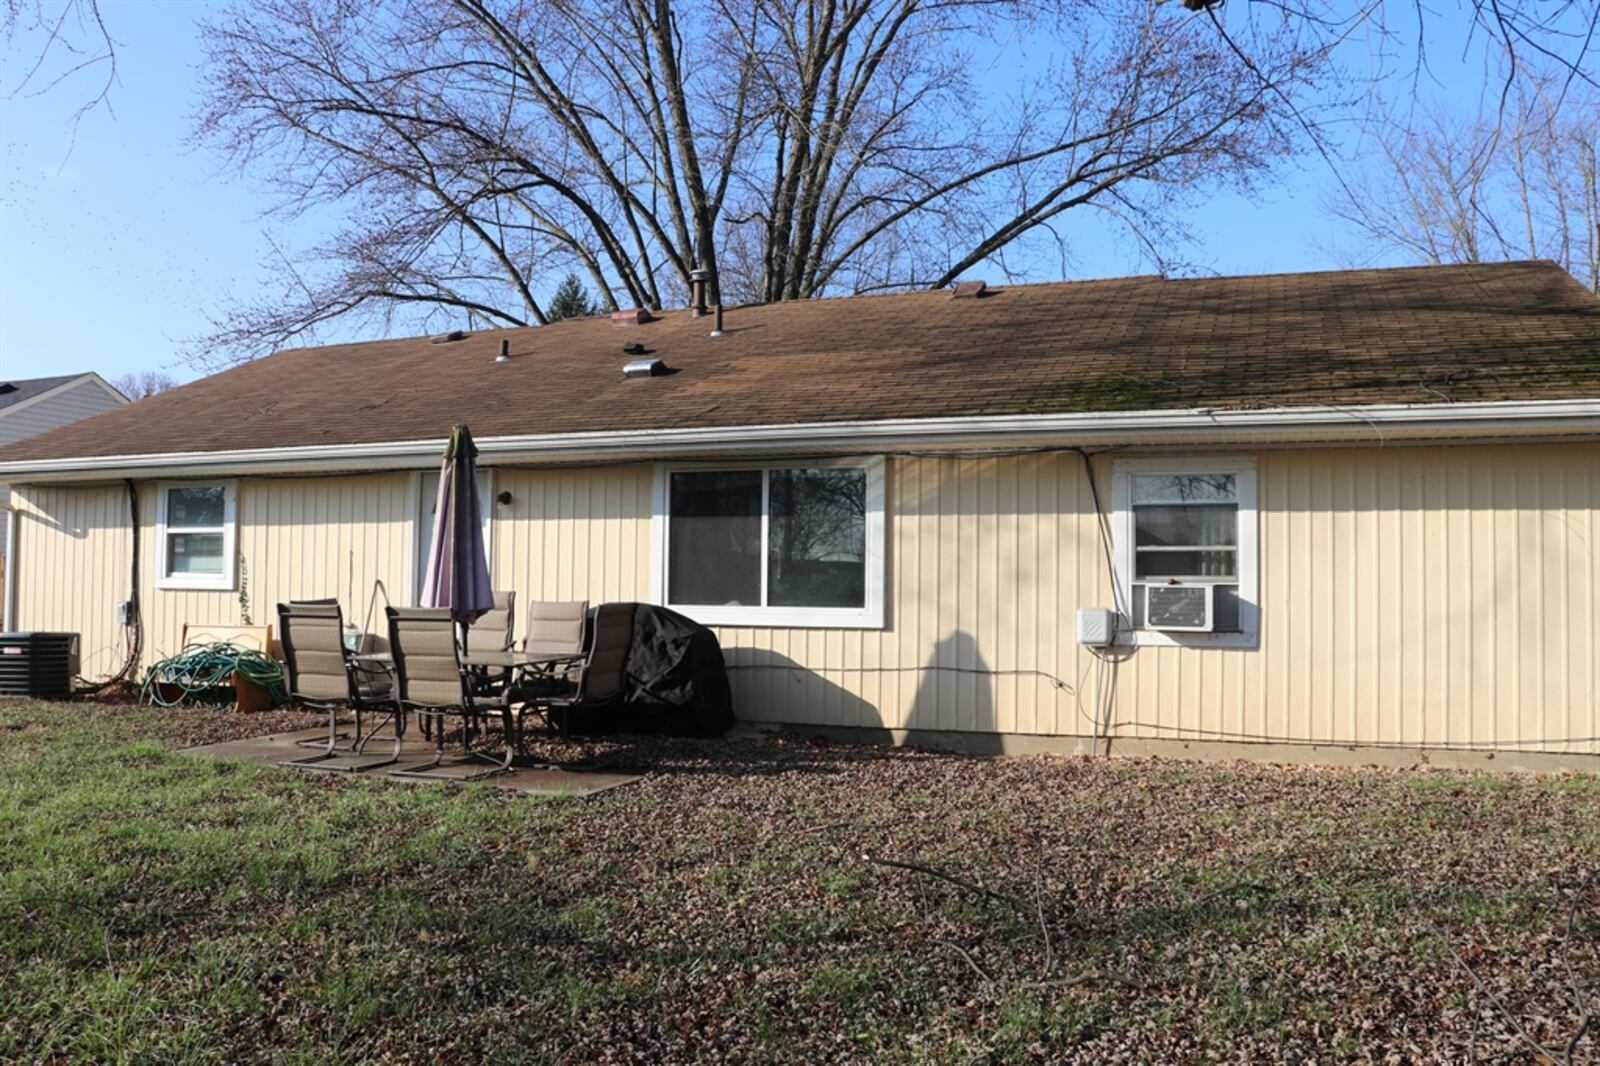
458, 565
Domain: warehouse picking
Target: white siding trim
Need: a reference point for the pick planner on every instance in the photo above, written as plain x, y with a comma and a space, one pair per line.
412, 534
8, 596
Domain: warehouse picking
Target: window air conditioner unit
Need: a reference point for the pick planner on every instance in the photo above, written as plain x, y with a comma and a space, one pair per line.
1183, 608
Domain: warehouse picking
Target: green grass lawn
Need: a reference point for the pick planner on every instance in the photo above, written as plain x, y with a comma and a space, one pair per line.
734, 905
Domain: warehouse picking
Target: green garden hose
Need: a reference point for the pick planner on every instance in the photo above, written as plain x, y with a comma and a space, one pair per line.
199, 670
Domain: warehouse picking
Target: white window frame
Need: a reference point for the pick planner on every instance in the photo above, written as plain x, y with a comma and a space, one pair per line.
1243, 469
868, 616
223, 581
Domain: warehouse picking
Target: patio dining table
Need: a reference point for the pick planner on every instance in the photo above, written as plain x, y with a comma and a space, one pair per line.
511, 660
519, 667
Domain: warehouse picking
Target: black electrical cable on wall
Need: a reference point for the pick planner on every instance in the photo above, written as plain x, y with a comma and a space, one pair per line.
135, 623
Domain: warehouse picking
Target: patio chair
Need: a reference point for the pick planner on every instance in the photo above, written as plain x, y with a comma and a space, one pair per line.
324, 675
490, 633
431, 683
556, 630
554, 645
597, 677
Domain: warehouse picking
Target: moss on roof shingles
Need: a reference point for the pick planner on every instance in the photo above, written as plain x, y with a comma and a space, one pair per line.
1505, 331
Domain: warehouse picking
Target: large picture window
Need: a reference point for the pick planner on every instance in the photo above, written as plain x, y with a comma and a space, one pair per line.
1187, 525
773, 545
195, 535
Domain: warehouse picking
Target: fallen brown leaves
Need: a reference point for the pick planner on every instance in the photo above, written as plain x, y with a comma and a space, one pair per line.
772, 900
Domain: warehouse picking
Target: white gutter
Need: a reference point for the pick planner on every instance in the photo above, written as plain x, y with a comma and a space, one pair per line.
1380, 423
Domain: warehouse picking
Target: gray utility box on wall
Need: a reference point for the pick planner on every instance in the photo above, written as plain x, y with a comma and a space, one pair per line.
38, 664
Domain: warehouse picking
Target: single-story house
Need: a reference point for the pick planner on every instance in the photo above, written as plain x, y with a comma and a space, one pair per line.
29, 406
1337, 516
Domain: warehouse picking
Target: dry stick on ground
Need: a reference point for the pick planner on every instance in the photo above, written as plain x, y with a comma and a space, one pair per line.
967, 955
954, 879
1087, 977
1498, 1003
1580, 997
1038, 900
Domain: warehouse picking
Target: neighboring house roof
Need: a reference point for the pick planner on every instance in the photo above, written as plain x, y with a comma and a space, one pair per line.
1425, 335
15, 391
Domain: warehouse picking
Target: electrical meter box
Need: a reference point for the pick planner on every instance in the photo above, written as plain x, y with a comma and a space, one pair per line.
1097, 626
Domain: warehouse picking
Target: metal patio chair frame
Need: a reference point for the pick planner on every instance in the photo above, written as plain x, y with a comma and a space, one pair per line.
311, 633
431, 683
596, 676
491, 633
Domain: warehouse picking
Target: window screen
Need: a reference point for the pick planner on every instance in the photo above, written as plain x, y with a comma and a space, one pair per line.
1186, 529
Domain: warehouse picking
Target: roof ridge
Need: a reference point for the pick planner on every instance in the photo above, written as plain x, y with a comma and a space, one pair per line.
1515, 333
994, 290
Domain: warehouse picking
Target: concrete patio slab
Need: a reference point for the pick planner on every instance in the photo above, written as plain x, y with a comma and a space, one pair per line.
275, 748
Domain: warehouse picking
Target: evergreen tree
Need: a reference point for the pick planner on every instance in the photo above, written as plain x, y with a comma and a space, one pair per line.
570, 301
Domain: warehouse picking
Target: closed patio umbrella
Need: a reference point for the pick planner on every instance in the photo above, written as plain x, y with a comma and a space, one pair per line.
458, 566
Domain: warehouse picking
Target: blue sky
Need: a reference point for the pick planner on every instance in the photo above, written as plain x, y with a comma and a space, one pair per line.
116, 244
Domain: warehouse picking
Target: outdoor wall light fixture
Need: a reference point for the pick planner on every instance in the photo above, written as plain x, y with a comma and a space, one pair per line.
503, 497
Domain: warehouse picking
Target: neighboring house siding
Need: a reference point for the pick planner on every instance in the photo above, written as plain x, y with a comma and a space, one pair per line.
1437, 596
80, 400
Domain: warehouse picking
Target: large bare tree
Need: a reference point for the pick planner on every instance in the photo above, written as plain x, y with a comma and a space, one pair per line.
1522, 182
477, 150
68, 38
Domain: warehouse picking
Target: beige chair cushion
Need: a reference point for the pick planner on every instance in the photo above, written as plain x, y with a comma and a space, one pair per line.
422, 641
555, 628
312, 635
492, 632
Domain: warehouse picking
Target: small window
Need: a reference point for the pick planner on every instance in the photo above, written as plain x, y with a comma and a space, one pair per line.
1187, 525
784, 545
195, 535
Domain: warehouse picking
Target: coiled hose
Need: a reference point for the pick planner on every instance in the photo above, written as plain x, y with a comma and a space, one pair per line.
200, 669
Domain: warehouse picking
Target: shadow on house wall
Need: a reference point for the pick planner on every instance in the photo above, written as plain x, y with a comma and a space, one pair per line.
771, 687
954, 692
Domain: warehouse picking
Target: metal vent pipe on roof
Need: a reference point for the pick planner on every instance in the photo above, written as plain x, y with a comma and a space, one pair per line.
699, 279
649, 367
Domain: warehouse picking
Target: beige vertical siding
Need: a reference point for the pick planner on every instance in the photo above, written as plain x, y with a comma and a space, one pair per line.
73, 559
574, 534
297, 538
1410, 596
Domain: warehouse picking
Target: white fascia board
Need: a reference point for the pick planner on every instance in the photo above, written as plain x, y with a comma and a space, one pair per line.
1377, 423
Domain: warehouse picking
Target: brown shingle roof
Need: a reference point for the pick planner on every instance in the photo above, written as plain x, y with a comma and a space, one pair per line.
1509, 331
